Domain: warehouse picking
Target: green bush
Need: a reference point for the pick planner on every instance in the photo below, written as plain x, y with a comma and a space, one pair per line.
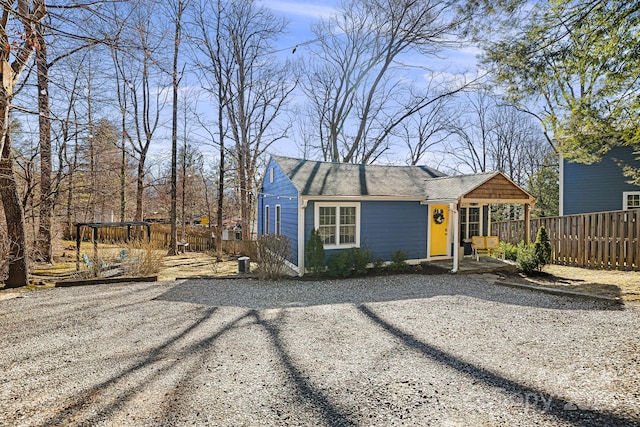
361, 258
314, 253
340, 264
399, 261
510, 251
378, 264
542, 248
527, 261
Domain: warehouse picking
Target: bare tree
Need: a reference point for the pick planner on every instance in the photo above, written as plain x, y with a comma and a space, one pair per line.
359, 95
177, 9
251, 85
67, 31
212, 62
471, 132
138, 63
426, 130
17, 43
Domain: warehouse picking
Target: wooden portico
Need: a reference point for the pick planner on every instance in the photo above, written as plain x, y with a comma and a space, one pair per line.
497, 189
470, 192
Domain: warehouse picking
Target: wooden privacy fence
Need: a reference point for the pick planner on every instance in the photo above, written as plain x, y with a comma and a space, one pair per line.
158, 238
605, 240
196, 243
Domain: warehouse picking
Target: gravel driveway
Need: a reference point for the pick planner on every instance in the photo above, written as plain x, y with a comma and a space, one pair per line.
398, 350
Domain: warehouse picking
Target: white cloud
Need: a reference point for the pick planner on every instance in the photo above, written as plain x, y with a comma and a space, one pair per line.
311, 10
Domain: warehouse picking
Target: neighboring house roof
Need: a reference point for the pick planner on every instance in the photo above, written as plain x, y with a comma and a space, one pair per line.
313, 178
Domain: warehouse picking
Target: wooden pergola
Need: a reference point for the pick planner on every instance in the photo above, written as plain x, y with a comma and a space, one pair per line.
497, 189
95, 226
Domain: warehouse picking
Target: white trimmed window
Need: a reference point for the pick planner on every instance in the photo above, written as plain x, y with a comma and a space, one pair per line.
278, 229
469, 222
338, 224
631, 200
271, 175
266, 218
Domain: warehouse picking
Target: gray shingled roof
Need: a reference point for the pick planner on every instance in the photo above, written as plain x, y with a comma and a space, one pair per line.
312, 178
453, 187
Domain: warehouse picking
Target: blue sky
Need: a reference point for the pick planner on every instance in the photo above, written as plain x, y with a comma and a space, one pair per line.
301, 14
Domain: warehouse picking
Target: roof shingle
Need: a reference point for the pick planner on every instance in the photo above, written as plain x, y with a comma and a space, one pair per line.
314, 178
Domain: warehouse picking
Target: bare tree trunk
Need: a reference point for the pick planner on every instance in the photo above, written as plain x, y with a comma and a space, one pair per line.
43, 242
175, 79
184, 190
14, 215
123, 182
140, 186
22, 48
221, 176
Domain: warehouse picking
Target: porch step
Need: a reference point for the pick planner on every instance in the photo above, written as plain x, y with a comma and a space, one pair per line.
471, 266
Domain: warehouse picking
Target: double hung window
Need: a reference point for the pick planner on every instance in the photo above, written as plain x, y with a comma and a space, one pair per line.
338, 224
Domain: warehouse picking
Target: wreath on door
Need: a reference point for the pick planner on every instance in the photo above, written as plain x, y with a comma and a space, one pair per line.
438, 217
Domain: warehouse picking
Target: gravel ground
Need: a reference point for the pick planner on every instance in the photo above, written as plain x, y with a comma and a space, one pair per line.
398, 350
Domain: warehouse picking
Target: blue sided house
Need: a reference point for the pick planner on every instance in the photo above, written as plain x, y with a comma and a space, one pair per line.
600, 186
384, 209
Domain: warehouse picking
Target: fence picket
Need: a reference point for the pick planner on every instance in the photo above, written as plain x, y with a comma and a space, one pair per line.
605, 240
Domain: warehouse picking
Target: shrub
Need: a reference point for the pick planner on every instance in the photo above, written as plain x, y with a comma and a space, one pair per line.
378, 265
542, 248
272, 251
340, 264
143, 258
314, 253
527, 261
510, 251
399, 261
361, 258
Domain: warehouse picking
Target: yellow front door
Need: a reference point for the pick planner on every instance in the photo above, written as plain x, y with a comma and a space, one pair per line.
438, 230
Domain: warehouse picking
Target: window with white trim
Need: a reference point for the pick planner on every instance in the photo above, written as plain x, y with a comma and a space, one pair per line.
338, 224
265, 225
278, 229
469, 222
631, 200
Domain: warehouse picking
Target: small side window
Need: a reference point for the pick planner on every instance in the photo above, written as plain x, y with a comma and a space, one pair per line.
271, 175
631, 200
278, 229
266, 220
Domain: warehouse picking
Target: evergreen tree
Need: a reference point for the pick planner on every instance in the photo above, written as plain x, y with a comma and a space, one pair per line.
314, 253
542, 248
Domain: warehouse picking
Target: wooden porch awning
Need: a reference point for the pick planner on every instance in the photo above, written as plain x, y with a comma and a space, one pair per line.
498, 189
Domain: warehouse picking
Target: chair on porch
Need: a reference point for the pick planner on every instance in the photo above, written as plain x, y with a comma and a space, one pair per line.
486, 245
479, 246
493, 246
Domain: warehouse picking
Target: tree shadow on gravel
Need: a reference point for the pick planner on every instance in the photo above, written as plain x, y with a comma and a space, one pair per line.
551, 405
83, 408
305, 390
258, 295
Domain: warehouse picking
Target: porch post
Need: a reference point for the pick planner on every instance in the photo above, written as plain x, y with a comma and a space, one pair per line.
527, 224
453, 208
301, 242
78, 242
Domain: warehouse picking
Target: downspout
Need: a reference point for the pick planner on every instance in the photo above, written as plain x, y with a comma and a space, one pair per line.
301, 242
561, 186
453, 208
